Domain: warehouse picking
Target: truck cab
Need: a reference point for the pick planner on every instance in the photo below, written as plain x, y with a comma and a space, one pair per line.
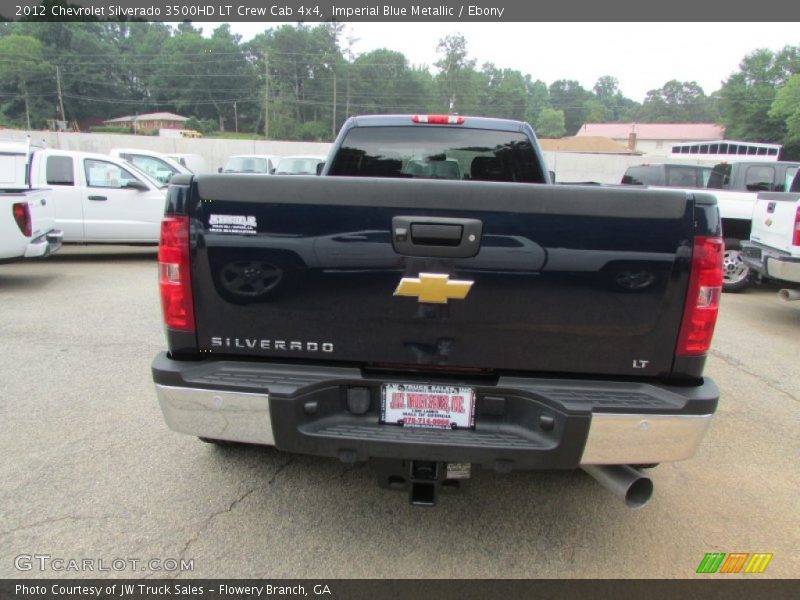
99, 198
753, 176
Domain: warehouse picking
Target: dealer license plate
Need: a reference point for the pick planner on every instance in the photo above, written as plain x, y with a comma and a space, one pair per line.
431, 406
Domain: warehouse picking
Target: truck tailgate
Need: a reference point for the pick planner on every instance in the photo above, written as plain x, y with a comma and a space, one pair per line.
774, 220
564, 279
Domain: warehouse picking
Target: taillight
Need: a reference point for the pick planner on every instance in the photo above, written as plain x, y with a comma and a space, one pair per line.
796, 235
438, 119
173, 273
22, 215
702, 300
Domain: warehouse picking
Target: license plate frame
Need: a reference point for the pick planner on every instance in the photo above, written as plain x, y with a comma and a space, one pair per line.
428, 406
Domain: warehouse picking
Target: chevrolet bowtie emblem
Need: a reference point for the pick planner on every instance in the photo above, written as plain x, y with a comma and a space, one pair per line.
433, 287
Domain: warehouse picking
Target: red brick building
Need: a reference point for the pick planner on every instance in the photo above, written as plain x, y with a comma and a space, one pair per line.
159, 120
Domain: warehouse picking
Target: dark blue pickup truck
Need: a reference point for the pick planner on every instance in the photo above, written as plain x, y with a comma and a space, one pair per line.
432, 303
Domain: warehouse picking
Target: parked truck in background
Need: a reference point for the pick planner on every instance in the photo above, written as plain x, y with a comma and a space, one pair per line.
432, 303
667, 175
773, 250
158, 166
27, 222
736, 186
99, 198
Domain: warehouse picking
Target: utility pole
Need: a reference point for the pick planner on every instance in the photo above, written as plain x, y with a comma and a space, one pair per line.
347, 98
266, 94
27, 109
333, 120
235, 117
58, 89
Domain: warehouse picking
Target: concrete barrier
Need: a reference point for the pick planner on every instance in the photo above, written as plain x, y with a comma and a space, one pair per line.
569, 166
214, 151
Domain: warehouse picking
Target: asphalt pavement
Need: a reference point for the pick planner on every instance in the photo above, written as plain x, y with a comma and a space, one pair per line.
90, 471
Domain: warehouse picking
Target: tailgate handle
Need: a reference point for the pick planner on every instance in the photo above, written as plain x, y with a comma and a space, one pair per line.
424, 234
436, 237
771, 207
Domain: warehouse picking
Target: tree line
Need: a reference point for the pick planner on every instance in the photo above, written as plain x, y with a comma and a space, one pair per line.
300, 82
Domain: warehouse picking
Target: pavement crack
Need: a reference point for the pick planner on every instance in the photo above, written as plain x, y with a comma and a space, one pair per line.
737, 364
230, 508
280, 469
53, 520
207, 523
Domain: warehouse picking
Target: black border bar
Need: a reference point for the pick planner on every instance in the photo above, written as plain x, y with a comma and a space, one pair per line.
406, 11
711, 587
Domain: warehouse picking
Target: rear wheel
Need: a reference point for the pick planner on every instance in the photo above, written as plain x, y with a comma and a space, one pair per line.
735, 274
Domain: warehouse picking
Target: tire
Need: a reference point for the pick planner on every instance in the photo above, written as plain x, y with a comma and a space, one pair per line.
736, 276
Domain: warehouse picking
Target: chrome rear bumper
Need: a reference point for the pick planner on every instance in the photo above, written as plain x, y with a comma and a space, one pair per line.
612, 439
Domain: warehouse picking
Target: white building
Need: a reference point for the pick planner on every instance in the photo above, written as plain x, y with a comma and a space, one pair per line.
654, 139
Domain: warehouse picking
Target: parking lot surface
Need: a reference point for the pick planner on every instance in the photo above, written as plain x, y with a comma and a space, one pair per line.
90, 470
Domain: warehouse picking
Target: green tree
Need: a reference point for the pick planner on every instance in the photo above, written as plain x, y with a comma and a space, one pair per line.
747, 96
616, 107
550, 123
88, 57
457, 79
677, 102
786, 107
570, 97
400, 90
25, 77
303, 62
537, 98
205, 76
504, 93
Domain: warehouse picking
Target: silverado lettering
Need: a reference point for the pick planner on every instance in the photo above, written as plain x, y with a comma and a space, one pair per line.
262, 344
521, 324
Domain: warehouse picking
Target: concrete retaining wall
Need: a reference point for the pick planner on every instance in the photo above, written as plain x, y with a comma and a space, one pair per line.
214, 151
569, 166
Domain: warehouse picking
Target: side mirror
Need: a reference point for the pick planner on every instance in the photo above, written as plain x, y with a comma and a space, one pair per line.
320, 166
136, 185
552, 176
219, 169
272, 171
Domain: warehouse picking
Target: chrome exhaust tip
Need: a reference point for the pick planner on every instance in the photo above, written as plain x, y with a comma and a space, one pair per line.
789, 295
626, 483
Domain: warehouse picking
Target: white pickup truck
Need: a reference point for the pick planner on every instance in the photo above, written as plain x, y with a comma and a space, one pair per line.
774, 246
27, 223
158, 166
99, 198
736, 186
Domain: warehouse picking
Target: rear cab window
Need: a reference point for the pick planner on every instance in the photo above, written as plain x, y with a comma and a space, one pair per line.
240, 164
431, 152
59, 170
760, 179
643, 175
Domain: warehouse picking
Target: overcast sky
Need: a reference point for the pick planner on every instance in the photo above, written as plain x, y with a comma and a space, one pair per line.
642, 56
